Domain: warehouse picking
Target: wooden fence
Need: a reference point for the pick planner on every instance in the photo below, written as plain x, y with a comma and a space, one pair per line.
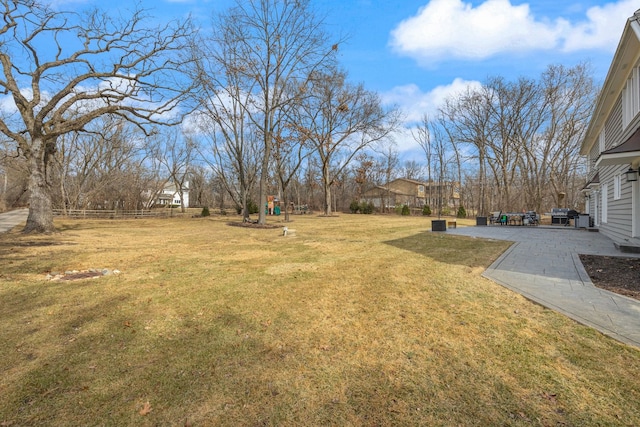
116, 214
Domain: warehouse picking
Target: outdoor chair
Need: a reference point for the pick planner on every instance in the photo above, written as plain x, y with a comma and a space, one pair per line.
532, 218
495, 217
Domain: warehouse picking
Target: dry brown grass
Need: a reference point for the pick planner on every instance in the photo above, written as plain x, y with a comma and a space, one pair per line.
358, 320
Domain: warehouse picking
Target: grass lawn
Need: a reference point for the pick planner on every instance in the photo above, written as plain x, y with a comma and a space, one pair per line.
358, 320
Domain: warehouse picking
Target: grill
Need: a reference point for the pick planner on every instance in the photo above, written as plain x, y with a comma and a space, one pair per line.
559, 215
563, 215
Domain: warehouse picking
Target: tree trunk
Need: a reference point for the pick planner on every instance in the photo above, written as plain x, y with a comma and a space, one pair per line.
285, 206
245, 204
327, 199
40, 219
264, 181
326, 183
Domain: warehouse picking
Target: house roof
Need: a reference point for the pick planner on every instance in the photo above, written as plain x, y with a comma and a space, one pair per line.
626, 153
624, 59
595, 181
383, 189
412, 181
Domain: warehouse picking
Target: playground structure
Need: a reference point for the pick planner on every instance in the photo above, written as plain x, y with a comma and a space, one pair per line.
274, 207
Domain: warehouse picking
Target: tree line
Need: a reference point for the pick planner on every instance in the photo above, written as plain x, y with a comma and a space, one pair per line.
109, 110
513, 145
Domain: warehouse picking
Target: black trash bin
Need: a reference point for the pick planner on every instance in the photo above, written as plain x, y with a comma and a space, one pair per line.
439, 225
481, 220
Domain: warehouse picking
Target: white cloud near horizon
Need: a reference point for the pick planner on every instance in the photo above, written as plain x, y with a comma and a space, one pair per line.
454, 29
415, 104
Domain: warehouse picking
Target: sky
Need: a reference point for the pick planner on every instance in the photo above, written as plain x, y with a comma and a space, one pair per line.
416, 53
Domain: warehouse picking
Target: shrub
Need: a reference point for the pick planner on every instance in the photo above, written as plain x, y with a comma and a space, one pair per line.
405, 210
426, 210
205, 211
366, 208
251, 206
446, 211
354, 207
462, 213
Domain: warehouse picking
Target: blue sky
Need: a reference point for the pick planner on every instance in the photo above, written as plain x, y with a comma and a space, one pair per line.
415, 53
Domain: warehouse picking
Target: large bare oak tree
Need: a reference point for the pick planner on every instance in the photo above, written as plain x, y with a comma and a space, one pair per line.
64, 70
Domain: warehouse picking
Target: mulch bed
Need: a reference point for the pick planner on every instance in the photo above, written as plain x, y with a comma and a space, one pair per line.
616, 274
253, 225
81, 275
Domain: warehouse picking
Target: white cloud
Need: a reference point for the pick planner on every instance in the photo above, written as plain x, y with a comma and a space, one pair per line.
8, 105
415, 103
602, 29
453, 29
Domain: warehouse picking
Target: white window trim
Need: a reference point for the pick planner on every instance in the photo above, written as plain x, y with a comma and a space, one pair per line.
635, 209
602, 141
617, 184
631, 98
596, 208
605, 203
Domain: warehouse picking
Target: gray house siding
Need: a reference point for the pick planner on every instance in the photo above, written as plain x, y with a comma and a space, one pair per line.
618, 226
613, 201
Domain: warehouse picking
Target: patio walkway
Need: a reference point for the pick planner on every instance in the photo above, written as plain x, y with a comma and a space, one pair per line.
10, 219
543, 265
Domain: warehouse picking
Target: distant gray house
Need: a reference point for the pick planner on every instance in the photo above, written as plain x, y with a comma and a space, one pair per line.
415, 194
612, 146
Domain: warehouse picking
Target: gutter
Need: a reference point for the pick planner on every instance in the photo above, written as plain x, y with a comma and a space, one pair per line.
634, 24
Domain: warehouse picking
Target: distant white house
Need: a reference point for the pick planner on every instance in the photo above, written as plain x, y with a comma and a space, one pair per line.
171, 196
612, 146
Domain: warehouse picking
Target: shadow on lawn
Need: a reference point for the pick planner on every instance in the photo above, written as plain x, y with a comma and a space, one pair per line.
458, 250
113, 355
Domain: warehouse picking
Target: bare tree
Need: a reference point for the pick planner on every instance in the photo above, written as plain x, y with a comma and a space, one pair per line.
273, 46
225, 96
363, 170
200, 189
443, 157
388, 161
175, 153
468, 121
289, 154
231, 148
412, 169
90, 163
423, 136
340, 120
551, 159
525, 135
64, 70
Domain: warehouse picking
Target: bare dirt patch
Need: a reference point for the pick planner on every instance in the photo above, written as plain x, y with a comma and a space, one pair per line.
82, 275
253, 225
616, 274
